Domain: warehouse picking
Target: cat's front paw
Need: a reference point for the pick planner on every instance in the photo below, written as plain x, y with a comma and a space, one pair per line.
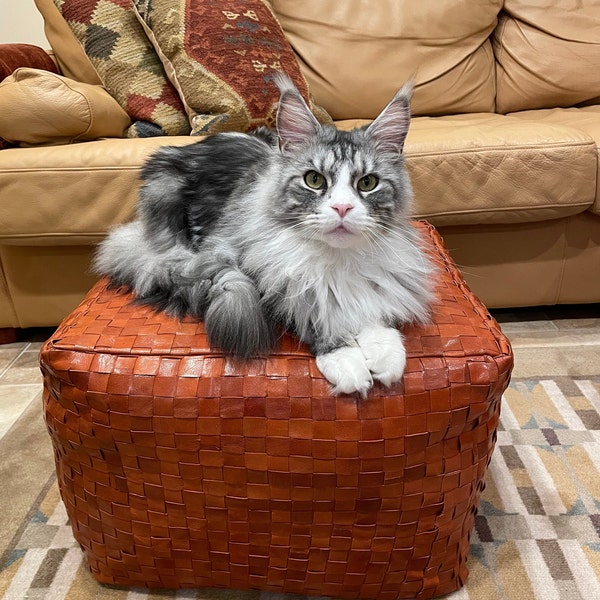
384, 353
345, 368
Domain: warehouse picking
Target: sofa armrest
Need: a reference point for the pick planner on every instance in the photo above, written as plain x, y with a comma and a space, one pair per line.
13, 56
42, 108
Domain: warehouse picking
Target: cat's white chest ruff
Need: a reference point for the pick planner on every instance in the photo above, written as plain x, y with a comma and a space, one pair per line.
347, 298
339, 298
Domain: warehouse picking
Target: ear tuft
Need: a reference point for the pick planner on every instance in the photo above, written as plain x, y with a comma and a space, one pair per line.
389, 129
295, 122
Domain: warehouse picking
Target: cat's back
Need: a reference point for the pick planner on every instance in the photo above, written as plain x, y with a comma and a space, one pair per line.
186, 188
219, 158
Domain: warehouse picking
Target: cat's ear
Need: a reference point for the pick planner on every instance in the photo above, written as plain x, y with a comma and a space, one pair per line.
295, 122
389, 129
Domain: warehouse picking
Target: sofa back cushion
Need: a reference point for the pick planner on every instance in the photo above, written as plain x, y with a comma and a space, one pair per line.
356, 54
548, 54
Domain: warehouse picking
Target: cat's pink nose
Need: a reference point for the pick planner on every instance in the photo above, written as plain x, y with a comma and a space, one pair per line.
342, 209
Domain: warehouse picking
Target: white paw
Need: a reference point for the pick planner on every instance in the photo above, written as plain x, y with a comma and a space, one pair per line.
346, 370
384, 353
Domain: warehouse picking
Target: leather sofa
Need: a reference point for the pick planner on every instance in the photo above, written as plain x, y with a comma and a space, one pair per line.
502, 150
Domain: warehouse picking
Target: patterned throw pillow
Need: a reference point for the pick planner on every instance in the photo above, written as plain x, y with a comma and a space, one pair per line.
13, 56
221, 56
127, 64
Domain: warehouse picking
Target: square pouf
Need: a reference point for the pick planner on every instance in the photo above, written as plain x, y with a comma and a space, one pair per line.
182, 468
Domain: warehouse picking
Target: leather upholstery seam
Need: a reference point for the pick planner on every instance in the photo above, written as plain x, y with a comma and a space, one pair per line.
561, 278
506, 209
4, 289
584, 144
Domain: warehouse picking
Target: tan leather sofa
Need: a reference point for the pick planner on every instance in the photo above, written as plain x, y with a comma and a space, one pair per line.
503, 147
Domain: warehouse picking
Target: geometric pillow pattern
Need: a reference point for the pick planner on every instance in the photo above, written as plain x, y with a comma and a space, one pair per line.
127, 65
222, 57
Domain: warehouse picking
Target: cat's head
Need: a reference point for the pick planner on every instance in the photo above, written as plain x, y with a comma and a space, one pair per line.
343, 188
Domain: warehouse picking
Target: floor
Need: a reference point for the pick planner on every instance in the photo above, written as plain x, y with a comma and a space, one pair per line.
532, 332
20, 377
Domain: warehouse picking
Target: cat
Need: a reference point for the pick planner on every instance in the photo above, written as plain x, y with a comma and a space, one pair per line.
305, 226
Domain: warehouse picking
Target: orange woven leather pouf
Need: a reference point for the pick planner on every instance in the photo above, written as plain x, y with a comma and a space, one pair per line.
180, 468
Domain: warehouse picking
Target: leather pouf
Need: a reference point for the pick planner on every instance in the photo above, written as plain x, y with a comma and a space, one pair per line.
181, 468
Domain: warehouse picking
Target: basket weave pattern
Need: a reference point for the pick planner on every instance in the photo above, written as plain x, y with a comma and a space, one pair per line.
181, 468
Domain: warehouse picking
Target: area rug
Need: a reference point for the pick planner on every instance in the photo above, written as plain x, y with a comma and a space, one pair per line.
537, 534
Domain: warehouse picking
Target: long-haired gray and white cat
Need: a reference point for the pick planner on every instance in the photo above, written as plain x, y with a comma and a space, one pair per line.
306, 227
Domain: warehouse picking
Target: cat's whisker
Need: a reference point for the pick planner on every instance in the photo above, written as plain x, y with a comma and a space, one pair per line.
306, 228
434, 260
399, 235
380, 242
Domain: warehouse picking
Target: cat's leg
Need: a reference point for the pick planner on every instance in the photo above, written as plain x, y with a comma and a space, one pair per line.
346, 369
384, 353
235, 320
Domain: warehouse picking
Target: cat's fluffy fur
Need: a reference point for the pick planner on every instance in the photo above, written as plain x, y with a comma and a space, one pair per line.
306, 227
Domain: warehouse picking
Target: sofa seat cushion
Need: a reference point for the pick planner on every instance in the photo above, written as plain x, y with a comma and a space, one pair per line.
55, 195
493, 169
466, 170
586, 119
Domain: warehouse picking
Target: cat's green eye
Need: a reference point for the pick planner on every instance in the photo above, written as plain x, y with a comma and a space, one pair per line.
367, 183
315, 180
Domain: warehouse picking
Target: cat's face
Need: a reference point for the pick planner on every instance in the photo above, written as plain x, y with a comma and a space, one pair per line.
341, 191
344, 189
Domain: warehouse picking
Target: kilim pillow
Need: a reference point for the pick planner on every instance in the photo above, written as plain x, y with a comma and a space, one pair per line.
221, 56
127, 64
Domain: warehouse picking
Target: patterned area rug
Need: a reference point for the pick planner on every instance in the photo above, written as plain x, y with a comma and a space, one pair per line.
537, 534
